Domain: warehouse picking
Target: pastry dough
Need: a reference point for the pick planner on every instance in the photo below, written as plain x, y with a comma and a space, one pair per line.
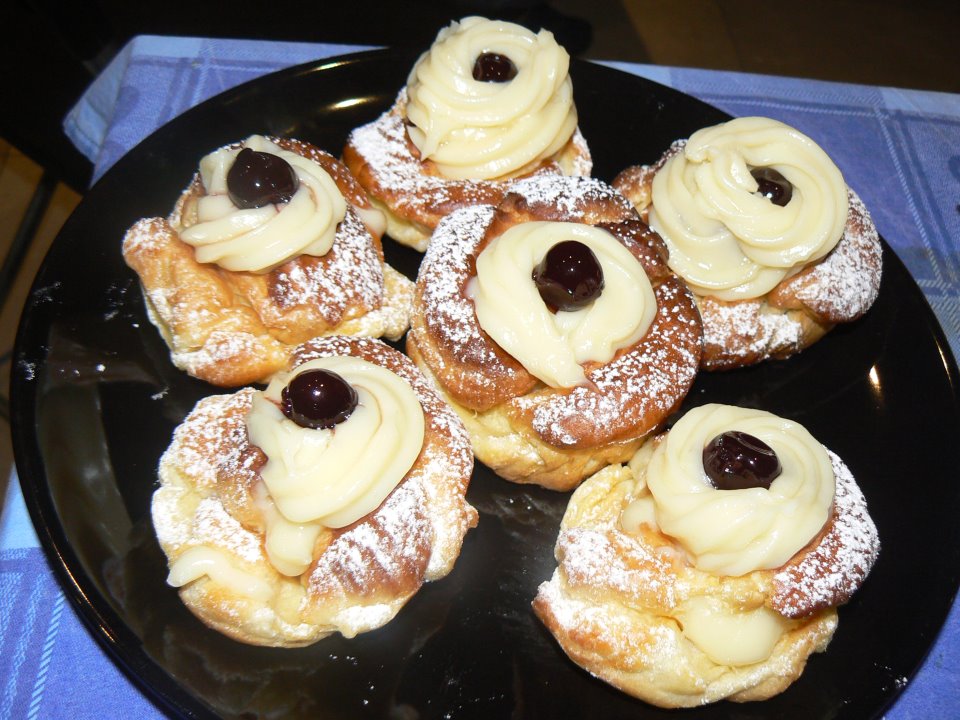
477, 135
630, 604
231, 327
813, 295
525, 430
214, 515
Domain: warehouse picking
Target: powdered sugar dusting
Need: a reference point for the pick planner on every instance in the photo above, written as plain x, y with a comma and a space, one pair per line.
388, 550
447, 312
832, 571
215, 430
636, 390
610, 623
220, 347
233, 328
610, 559
624, 398
847, 282
617, 600
359, 618
213, 526
399, 178
747, 330
393, 174
188, 509
572, 196
363, 573
445, 464
838, 289
350, 274
145, 235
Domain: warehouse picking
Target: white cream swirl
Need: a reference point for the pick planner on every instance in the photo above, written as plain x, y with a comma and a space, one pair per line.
554, 346
725, 239
260, 239
201, 560
318, 478
480, 130
733, 532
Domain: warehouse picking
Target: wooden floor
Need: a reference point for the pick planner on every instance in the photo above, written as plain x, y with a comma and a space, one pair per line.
20, 179
881, 42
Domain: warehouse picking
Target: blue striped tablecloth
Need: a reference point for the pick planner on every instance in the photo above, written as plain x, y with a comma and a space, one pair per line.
900, 149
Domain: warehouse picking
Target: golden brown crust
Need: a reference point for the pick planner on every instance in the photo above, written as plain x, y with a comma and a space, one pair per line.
838, 288
526, 431
412, 192
614, 601
233, 328
362, 574
657, 667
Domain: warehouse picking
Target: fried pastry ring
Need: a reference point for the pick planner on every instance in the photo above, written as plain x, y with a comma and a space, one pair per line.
360, 575
523, 429
801, 309
412, 193
489, 101
615, 603
231, 328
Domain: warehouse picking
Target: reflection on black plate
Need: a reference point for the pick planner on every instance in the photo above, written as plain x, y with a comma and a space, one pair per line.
95, 400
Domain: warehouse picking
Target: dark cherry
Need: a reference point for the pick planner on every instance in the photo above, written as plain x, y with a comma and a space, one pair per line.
493, 67
772, 185
318, 399
257, 178
736, 460
569, 276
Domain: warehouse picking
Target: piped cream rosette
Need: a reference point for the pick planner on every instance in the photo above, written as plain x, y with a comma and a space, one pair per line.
554, 346
734, 532
480, 130
260, 239
317, 478
725, 239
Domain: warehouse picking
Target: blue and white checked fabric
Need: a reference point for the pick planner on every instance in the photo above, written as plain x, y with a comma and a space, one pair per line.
51, 667
154, 79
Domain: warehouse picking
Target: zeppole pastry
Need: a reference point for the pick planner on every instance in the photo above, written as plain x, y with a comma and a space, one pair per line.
554, 327
318, 505
763, 228
711, 565
489, 101
272, 244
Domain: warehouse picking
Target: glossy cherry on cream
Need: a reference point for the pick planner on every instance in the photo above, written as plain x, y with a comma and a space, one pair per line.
569, 277
318, 399
735, 460
258, 178
494, 67
772, 185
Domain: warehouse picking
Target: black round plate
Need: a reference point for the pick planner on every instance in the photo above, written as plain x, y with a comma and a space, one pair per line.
95, 400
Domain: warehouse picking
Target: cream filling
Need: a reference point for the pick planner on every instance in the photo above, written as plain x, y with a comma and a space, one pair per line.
260, 239
731, 637
480, 130
734, 532
331, 477
554, 346
373, 219
725, 240
289, 545
200, 561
